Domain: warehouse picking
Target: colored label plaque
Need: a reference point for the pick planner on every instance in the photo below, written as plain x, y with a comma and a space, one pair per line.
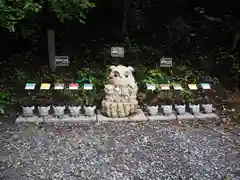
45, 86
30, 86
165, 87
177, 87
87, 86
192, 86
73, 86
59, 86
205, 86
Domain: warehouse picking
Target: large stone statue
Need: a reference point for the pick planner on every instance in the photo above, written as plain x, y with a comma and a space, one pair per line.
120, 92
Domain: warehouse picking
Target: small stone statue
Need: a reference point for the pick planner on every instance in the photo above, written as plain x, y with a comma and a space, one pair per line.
120, 92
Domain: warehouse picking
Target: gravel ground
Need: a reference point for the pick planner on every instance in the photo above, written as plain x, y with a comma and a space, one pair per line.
122, 151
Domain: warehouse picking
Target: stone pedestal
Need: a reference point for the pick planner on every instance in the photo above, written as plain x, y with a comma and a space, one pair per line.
137, 116
118, 110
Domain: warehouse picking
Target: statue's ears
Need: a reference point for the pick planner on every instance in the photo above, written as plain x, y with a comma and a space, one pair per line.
130, 68
111, 68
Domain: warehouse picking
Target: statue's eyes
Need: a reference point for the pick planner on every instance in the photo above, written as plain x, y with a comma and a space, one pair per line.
115, 74
126, 74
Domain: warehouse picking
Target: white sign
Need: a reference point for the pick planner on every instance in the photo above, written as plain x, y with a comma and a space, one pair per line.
117, 51
87, 86
61, 61
166, 62
151, 87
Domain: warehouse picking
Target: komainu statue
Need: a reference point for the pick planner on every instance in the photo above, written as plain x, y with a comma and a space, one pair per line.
120, 93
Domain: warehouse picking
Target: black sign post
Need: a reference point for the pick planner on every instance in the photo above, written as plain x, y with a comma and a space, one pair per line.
167, 63
51, 48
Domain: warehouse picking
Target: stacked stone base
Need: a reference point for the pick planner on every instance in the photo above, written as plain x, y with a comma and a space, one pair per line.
118, 109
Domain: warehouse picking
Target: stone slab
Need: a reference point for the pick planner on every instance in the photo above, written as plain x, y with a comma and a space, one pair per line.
203, 116
161, 118
139, 116
52, 119
33, 119
186, 116
70, 119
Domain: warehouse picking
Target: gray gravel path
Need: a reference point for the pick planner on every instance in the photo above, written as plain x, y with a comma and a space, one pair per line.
122, 151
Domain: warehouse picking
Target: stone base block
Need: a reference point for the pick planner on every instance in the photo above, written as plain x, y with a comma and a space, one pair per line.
70, 119
52, 119
139, 116
206, 116
186, 116
162, 118
33, 119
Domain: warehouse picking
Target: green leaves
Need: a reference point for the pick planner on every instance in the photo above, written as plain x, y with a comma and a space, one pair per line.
6, 99
12, 12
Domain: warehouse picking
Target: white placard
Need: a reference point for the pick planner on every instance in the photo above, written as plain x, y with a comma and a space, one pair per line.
151, 87
117, 51
61, 61
166, 62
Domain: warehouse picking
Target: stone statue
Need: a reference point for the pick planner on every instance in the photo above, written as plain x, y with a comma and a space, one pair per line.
120, 92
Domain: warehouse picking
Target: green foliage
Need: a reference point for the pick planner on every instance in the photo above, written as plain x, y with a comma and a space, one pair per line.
187, 96
151, 76
71, 9
98, 79
6, 99
13, 11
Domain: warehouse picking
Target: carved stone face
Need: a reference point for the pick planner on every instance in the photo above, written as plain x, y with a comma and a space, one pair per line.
121, 75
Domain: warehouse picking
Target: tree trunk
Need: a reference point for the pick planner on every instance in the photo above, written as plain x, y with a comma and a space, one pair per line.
124, 21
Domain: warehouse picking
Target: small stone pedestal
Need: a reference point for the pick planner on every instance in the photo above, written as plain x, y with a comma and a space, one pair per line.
185, 116
118, 109
33, 119
161, 117
202, 116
